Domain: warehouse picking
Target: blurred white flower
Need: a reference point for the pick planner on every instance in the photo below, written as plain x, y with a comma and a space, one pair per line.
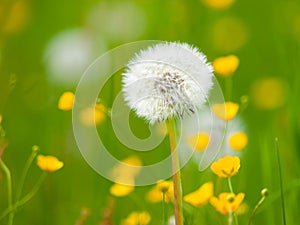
117, 22
172, 220
68, 54
167, 80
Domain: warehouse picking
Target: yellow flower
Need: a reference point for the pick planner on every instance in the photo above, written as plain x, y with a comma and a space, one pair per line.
120, 190
163, 186
49, 163
93, 115
1, 118
226, 166
156, 193
66, 101
199, 141
238, 141
227, 202
137, 218
226, 66
200, 196
218, 4
269, 93
226, 111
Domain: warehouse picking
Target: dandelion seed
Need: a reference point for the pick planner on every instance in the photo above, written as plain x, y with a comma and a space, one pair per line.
66, 101
167, 80
227, 202
49, 163
200, 196
226, 167
226, 66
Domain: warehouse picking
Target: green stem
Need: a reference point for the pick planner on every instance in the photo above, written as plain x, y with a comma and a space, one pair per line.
230, 184
163, 209
34, 190
231, 190
228, 84
236, 219
280, 181
230, 218
26, 198
25, 171
9, 190
178, 212
255, 209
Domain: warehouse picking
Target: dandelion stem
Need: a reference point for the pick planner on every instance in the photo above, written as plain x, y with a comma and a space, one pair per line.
9, 190
230, 185
176, 173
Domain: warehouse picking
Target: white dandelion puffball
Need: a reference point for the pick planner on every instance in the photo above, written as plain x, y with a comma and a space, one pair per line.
167, 80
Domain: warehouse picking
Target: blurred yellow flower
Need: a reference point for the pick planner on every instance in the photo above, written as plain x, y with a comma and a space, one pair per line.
226, 66
156, 193
242, 209
49, 163
66, 101
1, 118
226, 111
226, 166
120, 190
124, 173
229, 34
238, 141
93, 115
17, 17
227, 202
218, 4
200, 196
269, 93
127, 169
199, 141
137, 218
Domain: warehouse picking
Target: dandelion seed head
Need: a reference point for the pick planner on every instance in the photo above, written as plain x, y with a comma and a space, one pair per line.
167, 80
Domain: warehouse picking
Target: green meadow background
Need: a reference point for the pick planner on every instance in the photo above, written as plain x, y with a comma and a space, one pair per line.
265, 35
